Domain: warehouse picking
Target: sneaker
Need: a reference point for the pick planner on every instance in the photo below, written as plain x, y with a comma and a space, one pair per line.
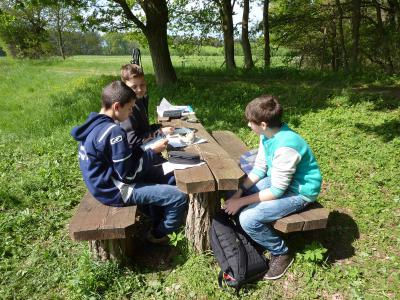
278, 266
161, 241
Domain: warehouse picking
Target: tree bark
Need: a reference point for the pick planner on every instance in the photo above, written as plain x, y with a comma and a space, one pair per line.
226, 11
59, 34
355, 33
334, 47
382, 40
341, 37
323, 49
119, 250
202, 208
394, 13
248, 59
155, 30
267, 46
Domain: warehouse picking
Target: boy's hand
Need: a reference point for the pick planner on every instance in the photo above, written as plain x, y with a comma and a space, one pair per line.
232, 206
160, 146
237, 194
167, 130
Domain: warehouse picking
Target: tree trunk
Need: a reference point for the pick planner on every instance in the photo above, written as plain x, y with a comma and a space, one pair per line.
267, 46
394, 13
155, 30
59, 35
355, 33
341, 37
226, 10
160, 56
323, 49
334, 47
120, 250
156, 33
382, 40
248, 59
202, 208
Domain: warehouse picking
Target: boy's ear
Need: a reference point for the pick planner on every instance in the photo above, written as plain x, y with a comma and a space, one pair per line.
116, 106
264, 125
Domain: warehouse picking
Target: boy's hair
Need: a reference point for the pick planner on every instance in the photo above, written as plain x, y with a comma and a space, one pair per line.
130, 71
266, 109
117, 91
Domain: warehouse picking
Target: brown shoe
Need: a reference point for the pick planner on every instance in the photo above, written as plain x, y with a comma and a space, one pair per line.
160, 241
278, 266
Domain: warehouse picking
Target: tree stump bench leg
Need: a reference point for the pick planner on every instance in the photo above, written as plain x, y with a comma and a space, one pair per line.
119, 250
202, 208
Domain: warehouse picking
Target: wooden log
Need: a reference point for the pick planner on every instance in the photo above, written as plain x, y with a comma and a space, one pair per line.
231, 143
202, 208
289, 223
195, 180
223, 168
119, 250
96, 221
315, 218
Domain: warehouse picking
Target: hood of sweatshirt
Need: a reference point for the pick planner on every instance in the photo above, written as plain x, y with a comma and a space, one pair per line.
79, 133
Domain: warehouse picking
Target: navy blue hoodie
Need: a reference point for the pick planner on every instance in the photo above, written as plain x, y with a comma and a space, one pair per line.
109, 166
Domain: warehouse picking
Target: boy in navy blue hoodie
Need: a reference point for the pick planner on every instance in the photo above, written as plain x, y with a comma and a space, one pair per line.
118, 175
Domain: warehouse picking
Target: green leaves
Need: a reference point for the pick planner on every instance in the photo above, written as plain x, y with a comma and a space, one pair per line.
176, 238
314, 253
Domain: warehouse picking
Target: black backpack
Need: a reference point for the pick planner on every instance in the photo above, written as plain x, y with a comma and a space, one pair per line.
241, 260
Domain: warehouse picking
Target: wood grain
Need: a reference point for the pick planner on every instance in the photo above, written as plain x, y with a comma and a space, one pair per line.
95, 221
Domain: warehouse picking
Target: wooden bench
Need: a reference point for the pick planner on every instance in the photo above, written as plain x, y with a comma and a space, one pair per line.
313, 217
108, 229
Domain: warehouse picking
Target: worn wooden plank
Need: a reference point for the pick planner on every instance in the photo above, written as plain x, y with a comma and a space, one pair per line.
192, 180
225, 170
231, 143
195, 180
289, 223
315, 218
95, 221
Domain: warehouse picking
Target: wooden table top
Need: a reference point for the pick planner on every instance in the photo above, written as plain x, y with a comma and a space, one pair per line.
220, 172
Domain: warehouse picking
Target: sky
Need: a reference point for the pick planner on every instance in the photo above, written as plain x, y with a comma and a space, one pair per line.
255, 14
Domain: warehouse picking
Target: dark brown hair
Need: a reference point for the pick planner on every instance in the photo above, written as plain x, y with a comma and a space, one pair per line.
266, 109
117, 91
130, 71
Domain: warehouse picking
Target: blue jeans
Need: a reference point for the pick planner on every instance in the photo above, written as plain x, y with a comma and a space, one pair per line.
168, 201
255, 219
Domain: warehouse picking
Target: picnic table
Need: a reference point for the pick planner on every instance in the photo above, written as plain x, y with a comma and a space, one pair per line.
111, 230
203, 183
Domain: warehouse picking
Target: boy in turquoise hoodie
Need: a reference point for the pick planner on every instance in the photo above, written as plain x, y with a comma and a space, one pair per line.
285, 178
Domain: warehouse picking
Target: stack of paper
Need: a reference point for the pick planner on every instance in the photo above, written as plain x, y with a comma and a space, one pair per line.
166, 109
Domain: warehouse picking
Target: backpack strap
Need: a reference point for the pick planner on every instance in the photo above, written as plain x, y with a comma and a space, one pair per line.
220, 276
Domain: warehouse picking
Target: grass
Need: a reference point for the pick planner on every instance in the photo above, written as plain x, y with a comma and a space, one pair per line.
351, 122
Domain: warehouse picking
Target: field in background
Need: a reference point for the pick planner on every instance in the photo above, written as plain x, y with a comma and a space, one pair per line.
351, 122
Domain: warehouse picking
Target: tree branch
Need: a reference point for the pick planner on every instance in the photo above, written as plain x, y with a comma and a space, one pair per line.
129, 15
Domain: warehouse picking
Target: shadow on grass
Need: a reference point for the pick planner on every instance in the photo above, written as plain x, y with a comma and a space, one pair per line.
382, 98
338, 237
219, 97
150, 258
8, 201
386, 131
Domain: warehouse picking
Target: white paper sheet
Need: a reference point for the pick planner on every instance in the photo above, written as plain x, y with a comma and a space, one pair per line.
177, 143
166, 106
169, 167
148, 144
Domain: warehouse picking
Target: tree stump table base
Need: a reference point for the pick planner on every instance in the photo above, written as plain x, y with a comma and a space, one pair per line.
202, 208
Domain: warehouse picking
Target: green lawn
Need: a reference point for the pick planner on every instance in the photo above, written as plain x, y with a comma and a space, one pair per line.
351, 122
